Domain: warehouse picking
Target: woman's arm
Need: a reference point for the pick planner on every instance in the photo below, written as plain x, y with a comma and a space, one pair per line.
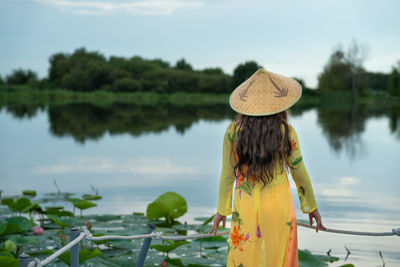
301, 176
227, 177
303, 182
226, 182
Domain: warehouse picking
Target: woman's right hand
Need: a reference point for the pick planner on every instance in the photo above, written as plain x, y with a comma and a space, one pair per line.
217, 219
315, 214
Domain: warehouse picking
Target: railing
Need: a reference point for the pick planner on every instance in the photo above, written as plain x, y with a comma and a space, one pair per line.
76, 237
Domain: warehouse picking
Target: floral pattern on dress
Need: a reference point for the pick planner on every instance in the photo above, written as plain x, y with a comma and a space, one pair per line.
293, 145
237, 238
242, 184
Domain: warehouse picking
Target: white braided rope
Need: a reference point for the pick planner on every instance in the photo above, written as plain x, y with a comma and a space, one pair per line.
54, 256
158, 235
395, 231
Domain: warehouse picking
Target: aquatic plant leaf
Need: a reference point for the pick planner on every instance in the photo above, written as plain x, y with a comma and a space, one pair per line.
63, 222
8, 261
91, 197
20, 240
218, 238
29, 193
22, 203
347, 265
53, 208
84, 255
14, 225
10, 246
169, 205
178, 263
306, 258
5, 253
30, 208
170, 246
9, 228
81, 203
104, 217
174, 262
22, 222
10, 203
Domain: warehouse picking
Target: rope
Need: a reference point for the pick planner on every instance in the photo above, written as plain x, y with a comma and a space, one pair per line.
395, 231
54, 256
158, 235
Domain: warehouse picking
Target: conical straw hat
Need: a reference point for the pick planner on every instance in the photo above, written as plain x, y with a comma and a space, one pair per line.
265, 93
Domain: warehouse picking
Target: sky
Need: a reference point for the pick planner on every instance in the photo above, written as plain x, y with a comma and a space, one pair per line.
293, 38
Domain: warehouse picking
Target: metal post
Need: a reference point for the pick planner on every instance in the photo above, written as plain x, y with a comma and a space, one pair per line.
145, 247
74, 249
23, 260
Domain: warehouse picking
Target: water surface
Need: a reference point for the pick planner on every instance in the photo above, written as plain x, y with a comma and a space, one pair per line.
131, 154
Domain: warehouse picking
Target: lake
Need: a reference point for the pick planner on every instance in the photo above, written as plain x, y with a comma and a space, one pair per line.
132, 153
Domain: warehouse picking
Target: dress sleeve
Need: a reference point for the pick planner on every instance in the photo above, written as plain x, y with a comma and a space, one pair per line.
301, 176
227, 176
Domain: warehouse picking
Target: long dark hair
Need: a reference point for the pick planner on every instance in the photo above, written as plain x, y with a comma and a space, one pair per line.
261, 144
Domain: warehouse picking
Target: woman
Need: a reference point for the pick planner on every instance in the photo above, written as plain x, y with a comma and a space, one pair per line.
259, 146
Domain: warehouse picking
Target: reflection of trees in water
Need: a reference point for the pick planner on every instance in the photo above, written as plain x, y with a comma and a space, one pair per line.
342, 123
87, 121
394, 121
22, 110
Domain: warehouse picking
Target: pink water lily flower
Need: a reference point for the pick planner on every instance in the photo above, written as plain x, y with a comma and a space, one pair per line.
37, 230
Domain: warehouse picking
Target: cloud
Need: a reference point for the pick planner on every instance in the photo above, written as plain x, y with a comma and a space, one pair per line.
142, 7
342, 188
150, 166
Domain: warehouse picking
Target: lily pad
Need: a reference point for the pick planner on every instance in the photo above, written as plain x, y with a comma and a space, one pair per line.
20, 240
10, 246
15, 224
63, 222
306, 258
8, 261
171, 245
22, 203
29, 193
84, 255
91, 197
81, 203
169, 205
30, 208
10, 203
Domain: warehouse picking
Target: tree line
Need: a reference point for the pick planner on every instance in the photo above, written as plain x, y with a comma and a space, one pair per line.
88, 71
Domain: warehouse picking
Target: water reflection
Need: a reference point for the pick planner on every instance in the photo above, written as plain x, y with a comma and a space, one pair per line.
342, 123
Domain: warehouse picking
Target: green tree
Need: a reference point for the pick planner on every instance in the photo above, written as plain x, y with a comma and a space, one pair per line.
81, 71
1, 80
394, 81
183, 65
126, 85
212, 71
344, 71
306, 90
377, 81
243, 71
21, 77
336, 75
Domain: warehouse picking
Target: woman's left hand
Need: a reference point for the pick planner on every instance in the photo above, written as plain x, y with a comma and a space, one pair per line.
315, 214
217, 219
